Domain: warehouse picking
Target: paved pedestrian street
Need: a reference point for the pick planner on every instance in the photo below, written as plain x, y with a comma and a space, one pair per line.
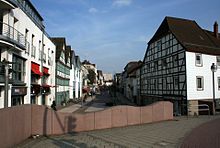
155, 135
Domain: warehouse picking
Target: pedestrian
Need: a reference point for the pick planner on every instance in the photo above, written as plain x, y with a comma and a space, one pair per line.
53, 106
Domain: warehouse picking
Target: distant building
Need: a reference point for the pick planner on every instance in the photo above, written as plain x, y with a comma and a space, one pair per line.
84, 77
100, 78
177, 65
108, 79
63, 66
76, 77
131, 81
90, 66
118, 81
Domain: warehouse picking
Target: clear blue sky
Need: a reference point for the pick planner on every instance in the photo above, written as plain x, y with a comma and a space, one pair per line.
110, 33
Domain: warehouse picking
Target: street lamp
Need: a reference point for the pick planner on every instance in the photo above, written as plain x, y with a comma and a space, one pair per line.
213, 69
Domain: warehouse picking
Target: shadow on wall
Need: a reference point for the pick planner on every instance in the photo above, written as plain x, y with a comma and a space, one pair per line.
45, 121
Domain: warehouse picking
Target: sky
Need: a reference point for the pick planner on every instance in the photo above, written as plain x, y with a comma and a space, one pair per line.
111, 33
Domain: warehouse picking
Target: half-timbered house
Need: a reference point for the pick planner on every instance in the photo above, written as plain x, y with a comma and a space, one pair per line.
177, 65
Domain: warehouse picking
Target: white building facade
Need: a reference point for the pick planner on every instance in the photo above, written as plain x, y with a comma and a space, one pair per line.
75, 78
30, 53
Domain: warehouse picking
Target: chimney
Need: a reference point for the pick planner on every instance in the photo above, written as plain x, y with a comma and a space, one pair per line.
216, 29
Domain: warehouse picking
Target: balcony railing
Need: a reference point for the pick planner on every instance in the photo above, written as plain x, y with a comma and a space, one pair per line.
8, 32
33, 51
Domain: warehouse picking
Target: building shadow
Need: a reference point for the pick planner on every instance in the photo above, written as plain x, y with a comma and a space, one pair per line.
55, 120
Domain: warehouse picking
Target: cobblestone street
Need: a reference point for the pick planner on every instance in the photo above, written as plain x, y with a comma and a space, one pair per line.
162, 134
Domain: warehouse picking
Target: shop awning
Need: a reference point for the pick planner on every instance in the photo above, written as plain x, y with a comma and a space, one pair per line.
46, 71
35, 68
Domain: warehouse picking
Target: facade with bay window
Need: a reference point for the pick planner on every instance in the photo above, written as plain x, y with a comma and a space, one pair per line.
177, 66
29, 53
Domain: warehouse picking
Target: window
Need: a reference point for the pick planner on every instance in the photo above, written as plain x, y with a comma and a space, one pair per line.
18, 69
155, 65
198, 59
39, 51
164, 63
33, 48
218, 83
176, 82
32, 40
218, 61
159, 45
199, 83
175, 60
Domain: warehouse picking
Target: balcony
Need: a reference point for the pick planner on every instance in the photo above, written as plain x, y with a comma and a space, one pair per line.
11, 35
7, 4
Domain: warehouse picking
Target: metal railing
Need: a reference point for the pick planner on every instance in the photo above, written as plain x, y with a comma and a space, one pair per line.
198, 108
10, 32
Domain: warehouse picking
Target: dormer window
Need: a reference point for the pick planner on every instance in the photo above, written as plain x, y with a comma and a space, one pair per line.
198, 59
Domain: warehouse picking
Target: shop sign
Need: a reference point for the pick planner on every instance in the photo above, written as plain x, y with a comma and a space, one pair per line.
18, 91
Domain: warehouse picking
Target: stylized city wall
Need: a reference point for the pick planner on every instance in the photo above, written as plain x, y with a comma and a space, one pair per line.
20, 122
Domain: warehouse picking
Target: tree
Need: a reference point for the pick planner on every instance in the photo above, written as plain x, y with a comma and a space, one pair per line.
91, 76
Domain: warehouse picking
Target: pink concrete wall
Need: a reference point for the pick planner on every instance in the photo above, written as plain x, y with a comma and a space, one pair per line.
20, 122
84, 122
158, 111
15, 125
60, 122
146, 114
41, 120
119, 116
103, 119
133, 115
168, 111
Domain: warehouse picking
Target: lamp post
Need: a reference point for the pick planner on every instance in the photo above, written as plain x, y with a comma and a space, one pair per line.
213, 69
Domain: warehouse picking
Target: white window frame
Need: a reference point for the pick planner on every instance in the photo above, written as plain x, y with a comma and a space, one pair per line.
218, 83
200, 63
218, 60
202, 83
